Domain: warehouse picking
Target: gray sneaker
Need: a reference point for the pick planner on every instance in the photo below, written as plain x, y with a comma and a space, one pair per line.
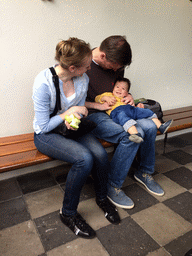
119, 198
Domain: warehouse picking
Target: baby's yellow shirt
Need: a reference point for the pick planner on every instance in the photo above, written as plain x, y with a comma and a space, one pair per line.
110, 94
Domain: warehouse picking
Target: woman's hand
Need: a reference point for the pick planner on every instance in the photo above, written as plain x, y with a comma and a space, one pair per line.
76, 111
128, 100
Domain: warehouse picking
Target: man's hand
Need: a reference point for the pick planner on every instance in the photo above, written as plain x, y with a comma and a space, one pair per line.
128, 100
105, 106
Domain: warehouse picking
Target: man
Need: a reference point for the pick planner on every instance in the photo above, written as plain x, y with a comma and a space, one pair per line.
109, 61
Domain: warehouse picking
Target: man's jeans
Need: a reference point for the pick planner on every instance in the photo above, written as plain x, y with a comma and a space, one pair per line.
126, 150
85, 154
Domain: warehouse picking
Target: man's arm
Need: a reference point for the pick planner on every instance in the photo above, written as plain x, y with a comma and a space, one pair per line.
97, 105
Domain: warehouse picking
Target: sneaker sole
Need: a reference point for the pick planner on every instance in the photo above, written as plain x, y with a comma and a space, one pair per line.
121, 206
135, 138
147, 187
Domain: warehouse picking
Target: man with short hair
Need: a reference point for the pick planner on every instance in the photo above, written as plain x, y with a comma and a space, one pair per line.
108, 62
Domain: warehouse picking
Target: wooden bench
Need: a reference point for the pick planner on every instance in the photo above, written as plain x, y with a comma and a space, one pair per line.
19, 151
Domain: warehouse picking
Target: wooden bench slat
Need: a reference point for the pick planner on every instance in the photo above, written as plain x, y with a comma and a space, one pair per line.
177, 116
177, 110
179, 127
17, 148
16, 139
20, 160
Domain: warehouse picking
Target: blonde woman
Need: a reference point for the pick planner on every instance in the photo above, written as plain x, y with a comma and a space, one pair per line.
85, 153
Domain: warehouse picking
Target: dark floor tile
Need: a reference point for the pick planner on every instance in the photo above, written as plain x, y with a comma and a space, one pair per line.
181, 141
181, 204
127, 238
181, 245
61, 179
13, 212
36, 181
60, 172
9, 189
87, 191
141, 198
182, 176
52, 231
179, 156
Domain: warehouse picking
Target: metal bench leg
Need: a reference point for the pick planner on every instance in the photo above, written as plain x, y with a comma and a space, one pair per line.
165, 142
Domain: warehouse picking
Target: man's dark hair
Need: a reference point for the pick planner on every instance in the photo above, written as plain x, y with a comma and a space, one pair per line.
123, 79
117, 49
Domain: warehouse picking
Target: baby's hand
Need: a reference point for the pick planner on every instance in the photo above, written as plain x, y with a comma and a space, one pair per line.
110, 100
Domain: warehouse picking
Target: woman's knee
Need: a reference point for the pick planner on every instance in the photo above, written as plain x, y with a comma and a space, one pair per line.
84, 161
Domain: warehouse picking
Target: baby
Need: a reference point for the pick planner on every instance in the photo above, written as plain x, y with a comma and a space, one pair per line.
126, 115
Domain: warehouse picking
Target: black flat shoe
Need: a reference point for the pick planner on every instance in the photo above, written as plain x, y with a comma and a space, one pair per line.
110, 211
189, 253
78, 225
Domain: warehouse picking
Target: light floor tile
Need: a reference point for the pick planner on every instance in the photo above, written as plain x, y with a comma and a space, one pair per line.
44, 202
188, 149
80, 247
161, 223
163, 164
170, 187
189, 166
93, 215
20, 240
159, 252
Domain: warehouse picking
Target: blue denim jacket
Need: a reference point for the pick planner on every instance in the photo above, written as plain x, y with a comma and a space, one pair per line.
44, 99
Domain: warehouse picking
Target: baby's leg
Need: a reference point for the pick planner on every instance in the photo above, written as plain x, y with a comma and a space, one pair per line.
162, 127
157, 122
132, 130
134, 135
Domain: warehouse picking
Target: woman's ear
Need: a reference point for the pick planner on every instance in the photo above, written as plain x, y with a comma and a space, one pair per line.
72, 69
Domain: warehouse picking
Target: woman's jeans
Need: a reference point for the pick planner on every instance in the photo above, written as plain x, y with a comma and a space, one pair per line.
86, 155
126, 150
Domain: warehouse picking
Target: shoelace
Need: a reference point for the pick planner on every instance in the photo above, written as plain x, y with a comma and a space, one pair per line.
147, 176
117, 190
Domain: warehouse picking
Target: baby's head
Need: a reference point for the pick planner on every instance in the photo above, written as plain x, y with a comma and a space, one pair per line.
121, 87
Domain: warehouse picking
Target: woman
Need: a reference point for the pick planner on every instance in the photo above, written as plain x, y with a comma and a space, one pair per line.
85, 153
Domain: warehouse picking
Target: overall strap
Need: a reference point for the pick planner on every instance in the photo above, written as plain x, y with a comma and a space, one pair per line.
58, 100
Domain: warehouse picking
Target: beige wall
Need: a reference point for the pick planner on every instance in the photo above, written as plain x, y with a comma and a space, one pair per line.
160, 33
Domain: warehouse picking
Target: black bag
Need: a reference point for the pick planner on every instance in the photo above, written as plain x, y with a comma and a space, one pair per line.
154, 106
85, 126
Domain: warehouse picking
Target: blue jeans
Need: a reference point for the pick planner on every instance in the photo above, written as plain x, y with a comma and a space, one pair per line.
86, 155
126, 150
126, 115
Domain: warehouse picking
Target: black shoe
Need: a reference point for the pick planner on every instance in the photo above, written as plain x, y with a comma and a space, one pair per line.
189, 253
78, 225
110, 210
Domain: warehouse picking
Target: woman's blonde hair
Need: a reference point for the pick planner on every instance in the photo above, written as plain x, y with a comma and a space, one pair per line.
72, 52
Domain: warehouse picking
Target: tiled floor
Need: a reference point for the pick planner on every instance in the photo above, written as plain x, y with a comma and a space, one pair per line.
156, 226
